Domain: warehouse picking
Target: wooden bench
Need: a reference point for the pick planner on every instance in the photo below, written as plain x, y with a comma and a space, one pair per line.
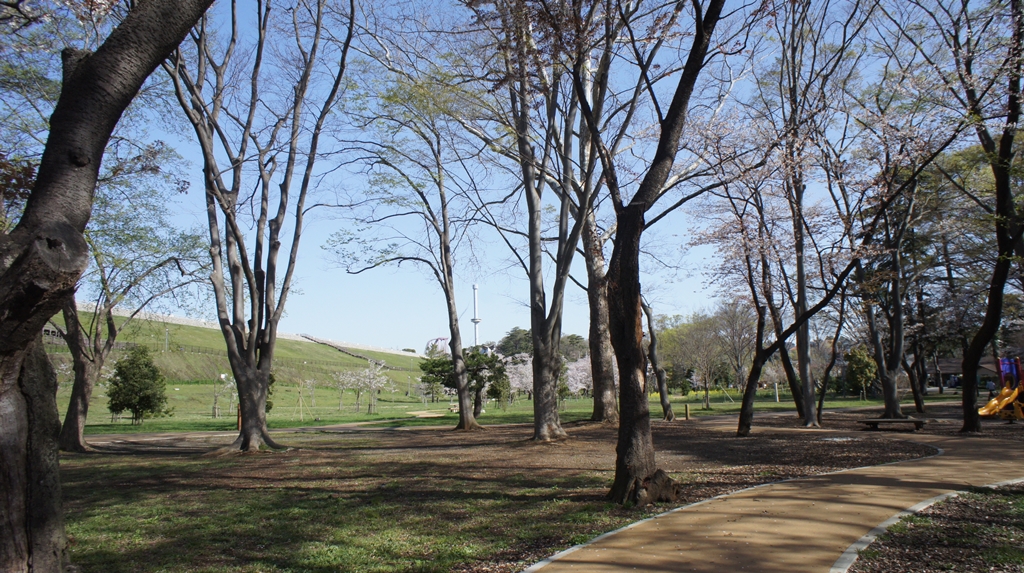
873, 423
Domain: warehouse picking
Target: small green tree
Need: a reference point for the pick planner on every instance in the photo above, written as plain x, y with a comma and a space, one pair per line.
437, 372
861, 369
483, 370
501, 392
137, 385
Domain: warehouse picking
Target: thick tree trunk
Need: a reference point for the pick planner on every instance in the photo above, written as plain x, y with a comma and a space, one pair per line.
546, 367
31, 519
602, 357
252, 401
635, 450
42, 259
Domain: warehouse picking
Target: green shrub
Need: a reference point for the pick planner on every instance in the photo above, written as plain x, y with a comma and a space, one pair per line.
137, 386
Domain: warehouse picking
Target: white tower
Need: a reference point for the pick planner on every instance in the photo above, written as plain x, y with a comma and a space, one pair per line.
476, 319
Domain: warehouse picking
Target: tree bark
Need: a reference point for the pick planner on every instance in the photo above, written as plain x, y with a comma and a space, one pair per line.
546, 366
602, 357
32, 532
1008, 229
792, 378
761, 355
652, 352
913, 373
634, 459
252, 402
42, 259
478, 403
86, 368
886, 376
467, 410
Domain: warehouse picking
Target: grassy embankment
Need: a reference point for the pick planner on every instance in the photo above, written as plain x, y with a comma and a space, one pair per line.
195, 358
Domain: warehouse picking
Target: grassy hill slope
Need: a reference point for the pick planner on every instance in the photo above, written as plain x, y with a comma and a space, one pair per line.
193, 354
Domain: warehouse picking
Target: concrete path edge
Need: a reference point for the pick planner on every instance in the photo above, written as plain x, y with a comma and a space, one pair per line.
938, 452
849, 557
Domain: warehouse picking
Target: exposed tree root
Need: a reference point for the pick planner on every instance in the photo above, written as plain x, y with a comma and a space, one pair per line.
652, 489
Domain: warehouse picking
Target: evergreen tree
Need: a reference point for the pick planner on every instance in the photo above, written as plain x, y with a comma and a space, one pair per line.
137, 385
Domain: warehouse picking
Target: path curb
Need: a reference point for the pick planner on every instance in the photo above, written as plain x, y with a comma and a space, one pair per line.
849, 557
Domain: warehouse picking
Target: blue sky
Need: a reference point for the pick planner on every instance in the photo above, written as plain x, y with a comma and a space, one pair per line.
402, 307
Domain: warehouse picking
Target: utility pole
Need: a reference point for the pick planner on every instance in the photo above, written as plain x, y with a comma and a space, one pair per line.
476, 318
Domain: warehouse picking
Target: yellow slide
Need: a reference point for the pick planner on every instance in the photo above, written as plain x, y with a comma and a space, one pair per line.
1005, 397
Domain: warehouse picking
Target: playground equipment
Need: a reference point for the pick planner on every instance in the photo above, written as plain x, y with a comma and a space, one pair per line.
1008, 403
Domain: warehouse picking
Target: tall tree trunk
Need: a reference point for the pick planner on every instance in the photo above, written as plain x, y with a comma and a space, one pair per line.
913, 374
478, 403
922, 375
31, 518
1000, 153
634, 460
43, 258
252, 401
792, 378
546, 368
887, 372
833, 354
87, 367
976, 348
634, 452
886, 376
805, 382
602, 357
761, 356
467, 412
659, 372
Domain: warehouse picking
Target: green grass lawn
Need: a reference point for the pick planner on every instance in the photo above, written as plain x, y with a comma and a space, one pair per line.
192, 409
329, 506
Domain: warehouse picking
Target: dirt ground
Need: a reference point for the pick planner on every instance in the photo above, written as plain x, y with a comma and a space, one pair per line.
425, 463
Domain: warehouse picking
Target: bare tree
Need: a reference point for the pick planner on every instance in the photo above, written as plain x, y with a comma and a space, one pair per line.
736, 327
975, 55
635, 451
260, 141
136, 259
531, 65
418, 206
43, 258
817, 57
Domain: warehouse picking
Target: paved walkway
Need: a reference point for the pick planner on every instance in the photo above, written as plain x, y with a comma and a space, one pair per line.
802, 525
